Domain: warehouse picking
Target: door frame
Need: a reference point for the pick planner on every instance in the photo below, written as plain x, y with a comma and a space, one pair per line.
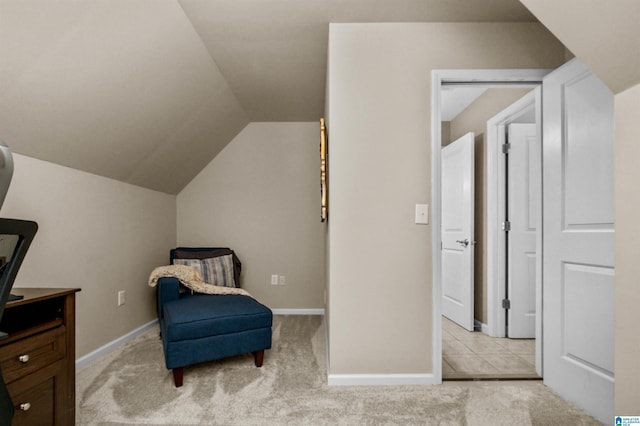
496, 247
498, 77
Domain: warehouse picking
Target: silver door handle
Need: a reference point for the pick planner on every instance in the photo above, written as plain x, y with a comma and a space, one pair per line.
463, 243
466, 242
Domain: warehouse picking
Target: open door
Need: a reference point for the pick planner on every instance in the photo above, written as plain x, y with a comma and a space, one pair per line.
457, 231
578, 238
523, 180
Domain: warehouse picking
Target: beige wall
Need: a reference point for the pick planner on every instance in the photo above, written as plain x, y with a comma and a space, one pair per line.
474, 119
261, 196
627, 247
445, 132
97, 234
380, 167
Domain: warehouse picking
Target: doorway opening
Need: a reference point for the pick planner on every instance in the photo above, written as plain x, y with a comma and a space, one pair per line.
481, 349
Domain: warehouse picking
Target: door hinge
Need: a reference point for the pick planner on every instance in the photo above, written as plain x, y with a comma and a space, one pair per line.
506, 304
505, 148
506, 226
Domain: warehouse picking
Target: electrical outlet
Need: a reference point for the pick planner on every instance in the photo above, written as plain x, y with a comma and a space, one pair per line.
282, 280
121, 294
274, 280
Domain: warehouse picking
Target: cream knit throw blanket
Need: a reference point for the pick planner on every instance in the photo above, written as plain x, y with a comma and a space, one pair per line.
190, 278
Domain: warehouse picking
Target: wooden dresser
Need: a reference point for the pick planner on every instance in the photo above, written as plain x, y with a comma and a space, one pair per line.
38, 356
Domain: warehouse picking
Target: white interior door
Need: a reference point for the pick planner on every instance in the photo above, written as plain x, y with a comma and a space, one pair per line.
578, 233
523, 190
457, 231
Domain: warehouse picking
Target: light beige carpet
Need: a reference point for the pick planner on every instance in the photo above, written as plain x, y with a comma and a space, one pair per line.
131, 386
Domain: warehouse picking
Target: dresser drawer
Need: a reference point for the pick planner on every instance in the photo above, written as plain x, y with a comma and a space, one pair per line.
32, 353
34, 397
36, 406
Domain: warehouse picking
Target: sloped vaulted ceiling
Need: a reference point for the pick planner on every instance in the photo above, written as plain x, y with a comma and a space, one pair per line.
274, 53
604, 34
123, 89
149, 91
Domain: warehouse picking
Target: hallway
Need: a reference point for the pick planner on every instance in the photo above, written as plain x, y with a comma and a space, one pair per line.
473, 355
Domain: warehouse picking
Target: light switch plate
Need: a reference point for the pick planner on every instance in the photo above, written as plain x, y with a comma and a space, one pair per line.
422, 214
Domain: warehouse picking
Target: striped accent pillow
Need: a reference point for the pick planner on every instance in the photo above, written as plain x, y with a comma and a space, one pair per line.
216, 270
219, 271
194, 263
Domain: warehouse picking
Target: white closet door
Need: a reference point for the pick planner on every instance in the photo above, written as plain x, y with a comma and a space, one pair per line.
578, 238
523, 190
457, 231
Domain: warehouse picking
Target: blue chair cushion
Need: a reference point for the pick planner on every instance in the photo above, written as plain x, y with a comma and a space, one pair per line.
203, 315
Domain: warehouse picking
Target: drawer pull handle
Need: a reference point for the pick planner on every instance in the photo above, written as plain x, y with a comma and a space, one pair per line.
25, 407
23, 358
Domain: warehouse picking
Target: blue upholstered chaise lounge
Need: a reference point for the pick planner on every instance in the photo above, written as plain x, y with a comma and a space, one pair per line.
203, 327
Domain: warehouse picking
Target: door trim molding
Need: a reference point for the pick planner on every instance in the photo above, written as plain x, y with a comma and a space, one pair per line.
496, 250
496, 208
497, 78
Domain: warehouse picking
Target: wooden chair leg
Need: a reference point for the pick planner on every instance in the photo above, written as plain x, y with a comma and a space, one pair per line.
258, 357
178, 375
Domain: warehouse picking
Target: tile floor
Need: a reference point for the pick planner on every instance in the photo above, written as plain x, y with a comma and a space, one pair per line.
474, 355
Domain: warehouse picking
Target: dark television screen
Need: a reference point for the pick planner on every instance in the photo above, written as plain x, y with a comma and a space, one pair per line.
15, 239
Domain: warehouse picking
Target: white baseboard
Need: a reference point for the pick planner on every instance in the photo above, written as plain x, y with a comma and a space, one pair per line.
480, 326
285, 311
380, 379
485, 329
105, 349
